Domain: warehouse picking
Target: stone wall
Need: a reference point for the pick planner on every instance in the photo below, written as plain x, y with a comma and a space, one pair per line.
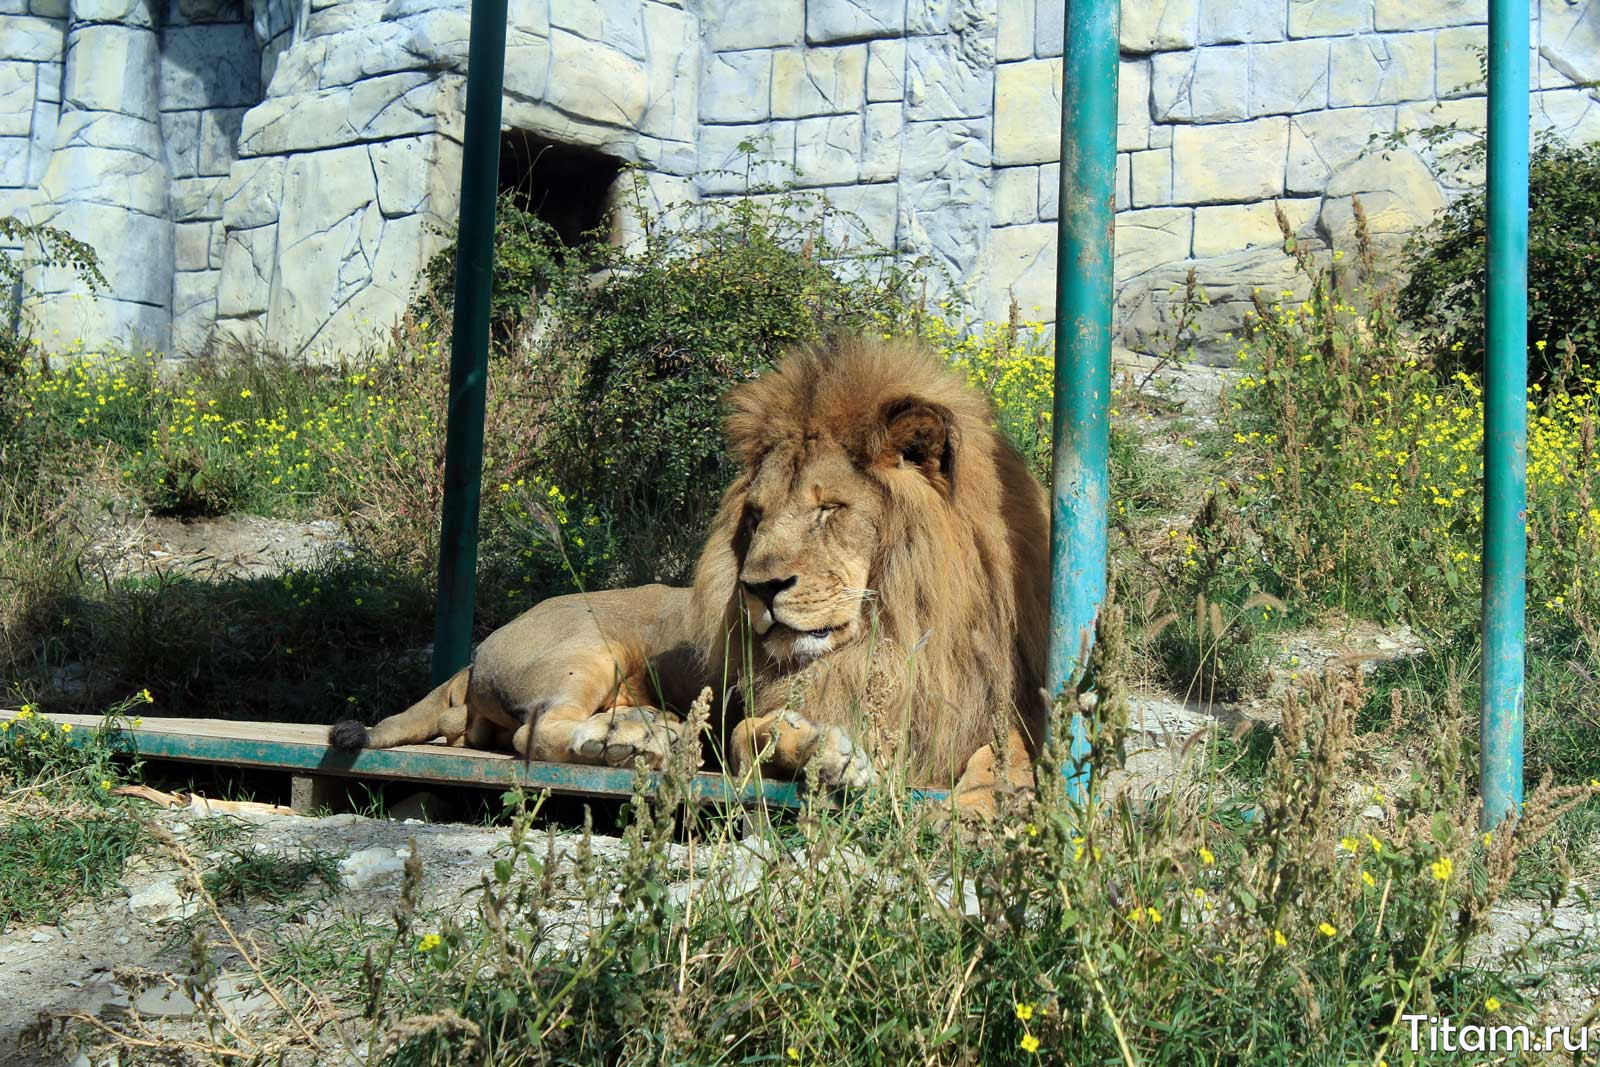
279, 169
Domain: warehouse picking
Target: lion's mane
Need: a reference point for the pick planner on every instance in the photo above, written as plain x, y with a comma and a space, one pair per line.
961, 572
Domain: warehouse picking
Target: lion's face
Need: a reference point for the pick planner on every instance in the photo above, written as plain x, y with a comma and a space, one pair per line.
809, 534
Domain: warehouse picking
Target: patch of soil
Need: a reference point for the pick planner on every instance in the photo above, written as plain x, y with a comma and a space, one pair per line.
231, 546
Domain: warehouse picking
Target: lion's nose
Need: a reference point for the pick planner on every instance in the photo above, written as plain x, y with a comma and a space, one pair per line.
768, 591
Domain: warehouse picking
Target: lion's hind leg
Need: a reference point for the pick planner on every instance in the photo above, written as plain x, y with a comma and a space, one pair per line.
989, 776
790, 744
616, 737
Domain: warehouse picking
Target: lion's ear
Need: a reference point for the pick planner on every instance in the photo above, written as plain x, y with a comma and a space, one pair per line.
921, 435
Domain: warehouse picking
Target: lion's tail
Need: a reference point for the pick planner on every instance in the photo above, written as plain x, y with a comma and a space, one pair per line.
416, 725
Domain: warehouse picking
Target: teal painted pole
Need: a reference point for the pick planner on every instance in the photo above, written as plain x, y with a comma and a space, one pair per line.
469, 339
1505, 432
1079, 474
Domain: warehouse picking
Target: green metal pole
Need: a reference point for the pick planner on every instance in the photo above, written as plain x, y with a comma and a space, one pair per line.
1505, 436
1079, 467
469, 339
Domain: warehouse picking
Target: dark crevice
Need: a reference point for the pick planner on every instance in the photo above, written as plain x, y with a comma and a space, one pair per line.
567, 186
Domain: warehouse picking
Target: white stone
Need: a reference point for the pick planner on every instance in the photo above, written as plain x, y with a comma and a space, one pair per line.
216, 65
192, 291
1151, 177
1016, 196
1231, 163
1428, 14
529, 17
219, 139
958, 81
1324, 141
1150, 238
1160, 25
1380, 69
197, 198
36, 40
1458, 71
1287, 77
1233, 227
361, 869
827, 150
252, 193
928, 148
593, 81
726, 168
193, 246
248, 258
17, 82
1329, 18
161, 902
1202, 85
401, 169
674, 72
180, 132
618, 25
828, 21
1569, 39
865, 217
1049, 192
396, 105
1228, 21
1571, 114
527, 68
737, 87
740, 24
886, 71
1398, 194
880, 148
1022, 261
1133, 104
1014, 29
1025, 95
818, 81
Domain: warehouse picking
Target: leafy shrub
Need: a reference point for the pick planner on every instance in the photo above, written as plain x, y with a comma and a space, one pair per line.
1447, 289
527, 261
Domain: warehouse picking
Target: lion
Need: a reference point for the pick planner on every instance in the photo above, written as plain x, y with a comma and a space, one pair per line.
873, 595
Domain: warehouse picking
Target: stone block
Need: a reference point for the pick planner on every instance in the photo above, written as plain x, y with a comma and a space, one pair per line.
1243, 21
252, 194
1122, 182
1380, 69
886, 71
946, 218
1150, 238
197, 198
120, 78
17, 84
864, 218
1016, 196
593, 81
1133, 104
323, 190
1457, 53
1569, 39
527, 68
618, 24
737, 87
180, 134
1160, 25
831, 21
133, 13
1014, 20
1231, 163
36, 40
1022, 267
827, 150
1148, 306
1429, 14
880, 148
1201, 85
734, 25
248, 261
219, 139
928, 148
210, 66
1329, 18
401, 172
1151, 177
50, 9
527, 18
818, 81
725, 166
13, 162
1288, 76
1025, 96
1398, 194
193, 288
948, 77
1233, 227
1571, 114
1049, 192
49, 82
1325, 141
396, 105
674, 71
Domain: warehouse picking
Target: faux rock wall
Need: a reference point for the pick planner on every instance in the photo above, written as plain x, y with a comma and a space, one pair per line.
279, 170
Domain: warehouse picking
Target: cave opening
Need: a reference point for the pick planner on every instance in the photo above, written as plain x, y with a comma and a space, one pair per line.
567, 186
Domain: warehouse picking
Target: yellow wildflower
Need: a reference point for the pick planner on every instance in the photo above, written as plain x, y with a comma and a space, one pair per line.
1443, 868
1327, 929
1029, 1043
1024, 1011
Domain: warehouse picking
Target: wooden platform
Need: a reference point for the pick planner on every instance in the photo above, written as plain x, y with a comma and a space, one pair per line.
302, 751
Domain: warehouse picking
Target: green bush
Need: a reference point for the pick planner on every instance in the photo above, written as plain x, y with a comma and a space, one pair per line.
527, 260
1445, 295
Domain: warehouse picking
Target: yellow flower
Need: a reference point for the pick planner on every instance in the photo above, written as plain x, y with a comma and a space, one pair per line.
1154, 913
1366, 876
793, 1053
1033, 831
1206, 856
1029, 1043
1443, 868
1350, 844
66, 728
244, 394
1024, 1011
428, 943
1327, 929
148, 699
1492, 1004
105, 783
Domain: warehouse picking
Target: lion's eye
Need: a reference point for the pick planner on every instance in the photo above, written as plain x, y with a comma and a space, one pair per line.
829, 508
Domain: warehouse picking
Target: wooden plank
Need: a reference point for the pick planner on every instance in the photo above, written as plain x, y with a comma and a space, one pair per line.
302, 749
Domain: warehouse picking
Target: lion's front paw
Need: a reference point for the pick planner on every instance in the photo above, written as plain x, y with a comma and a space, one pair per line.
839, 762
618, 737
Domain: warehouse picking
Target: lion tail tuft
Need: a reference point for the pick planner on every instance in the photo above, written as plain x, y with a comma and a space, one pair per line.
349, 735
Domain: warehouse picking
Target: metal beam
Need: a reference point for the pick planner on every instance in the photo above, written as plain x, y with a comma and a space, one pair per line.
469, 340
1505, 435
1079, 466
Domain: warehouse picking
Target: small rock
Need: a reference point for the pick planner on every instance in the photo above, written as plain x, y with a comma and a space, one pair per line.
343, 819
1565, 920
1372, 811
40, 937
164, 1001
369, 865
160, 902
239, 995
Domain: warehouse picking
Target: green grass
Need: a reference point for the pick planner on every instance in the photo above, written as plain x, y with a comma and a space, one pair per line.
51, 862
247, 874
